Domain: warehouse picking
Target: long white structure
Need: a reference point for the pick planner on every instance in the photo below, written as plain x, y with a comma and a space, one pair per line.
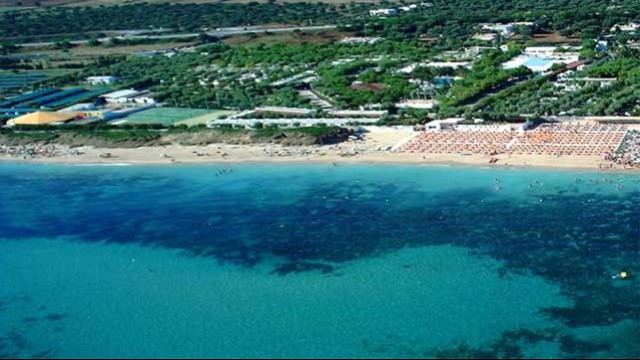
631, 27
418, 104
366, 113
292, 121
284, 110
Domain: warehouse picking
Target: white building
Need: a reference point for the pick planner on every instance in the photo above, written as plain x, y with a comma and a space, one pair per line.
449, 64
360, 40
408, 69
302, 122
101, 80
475, 51
409, 7
504, 29
356, 113
127, 97
79, 107
294, 78
439, 125
540, 50
144, 98
485, 37
507, 30
631, 27
523, 23
417, 104
383, 12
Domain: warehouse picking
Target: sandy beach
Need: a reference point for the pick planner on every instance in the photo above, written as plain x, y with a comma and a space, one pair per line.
375, 147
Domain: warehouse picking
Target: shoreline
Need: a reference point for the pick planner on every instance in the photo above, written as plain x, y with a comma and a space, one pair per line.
327, 154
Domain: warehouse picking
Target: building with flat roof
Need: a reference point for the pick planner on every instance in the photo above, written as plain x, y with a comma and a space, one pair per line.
356, 113
418, 104
120, 96
485, 37
367, 40
383, 12
128, 97
449, 64
43, 118
503, 29
631, 27
439, 125
101, 80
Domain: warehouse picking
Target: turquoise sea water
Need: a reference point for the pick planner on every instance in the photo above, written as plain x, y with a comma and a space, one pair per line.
317, 261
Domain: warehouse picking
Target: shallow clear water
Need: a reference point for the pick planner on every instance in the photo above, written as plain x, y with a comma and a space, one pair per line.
317, 261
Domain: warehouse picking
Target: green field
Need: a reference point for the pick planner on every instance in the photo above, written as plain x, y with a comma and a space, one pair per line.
199, 120
174, 116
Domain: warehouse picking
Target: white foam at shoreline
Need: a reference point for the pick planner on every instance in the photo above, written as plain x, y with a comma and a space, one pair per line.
100, 164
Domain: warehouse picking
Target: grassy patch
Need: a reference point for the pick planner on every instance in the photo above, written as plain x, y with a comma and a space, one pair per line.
167, 116
315, 131
32, 136
314, 38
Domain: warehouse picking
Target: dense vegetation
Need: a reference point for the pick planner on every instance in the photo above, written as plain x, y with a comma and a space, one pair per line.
487, 74
213, 77
177, 17
454, 19
135, 136
538, 96
222, 74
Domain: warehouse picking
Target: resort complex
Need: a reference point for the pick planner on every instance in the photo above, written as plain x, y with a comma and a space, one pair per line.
518, 87
508, 97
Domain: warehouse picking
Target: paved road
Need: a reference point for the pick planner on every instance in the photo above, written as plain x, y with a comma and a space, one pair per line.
218, 33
